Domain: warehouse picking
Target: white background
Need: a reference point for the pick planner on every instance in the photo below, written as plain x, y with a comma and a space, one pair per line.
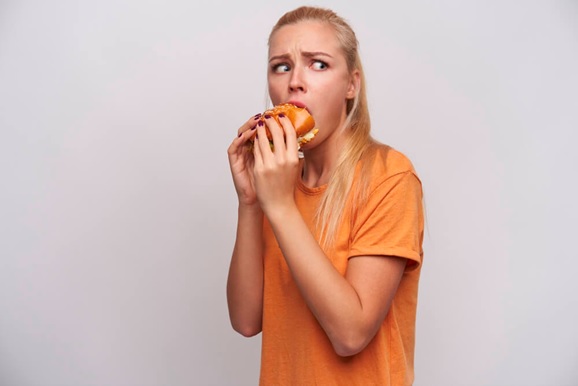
117, 211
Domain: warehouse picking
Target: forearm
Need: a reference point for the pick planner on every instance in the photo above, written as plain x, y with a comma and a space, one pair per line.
332, 299
245, 280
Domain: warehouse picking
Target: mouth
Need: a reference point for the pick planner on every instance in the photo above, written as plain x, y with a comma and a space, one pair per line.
298, 104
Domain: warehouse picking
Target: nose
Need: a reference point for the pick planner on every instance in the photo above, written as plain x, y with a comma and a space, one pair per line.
297, 81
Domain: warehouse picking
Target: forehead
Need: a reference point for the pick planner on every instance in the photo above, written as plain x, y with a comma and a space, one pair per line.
311, 36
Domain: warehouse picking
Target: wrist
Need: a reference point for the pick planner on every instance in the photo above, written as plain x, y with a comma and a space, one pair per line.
250, 209
281, 213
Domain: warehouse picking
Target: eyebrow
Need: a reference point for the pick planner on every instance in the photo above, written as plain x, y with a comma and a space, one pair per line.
307, 54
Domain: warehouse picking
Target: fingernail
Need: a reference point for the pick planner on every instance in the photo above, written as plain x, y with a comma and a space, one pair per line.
281, 115
260, 123
267, 116
254, 127
257, 115
240, 134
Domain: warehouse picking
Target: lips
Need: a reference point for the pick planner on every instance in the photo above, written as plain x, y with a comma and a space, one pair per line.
298, 104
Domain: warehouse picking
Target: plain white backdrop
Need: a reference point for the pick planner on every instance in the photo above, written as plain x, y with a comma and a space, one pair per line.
117, 211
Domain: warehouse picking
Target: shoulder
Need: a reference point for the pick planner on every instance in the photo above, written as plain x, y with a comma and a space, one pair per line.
384, 162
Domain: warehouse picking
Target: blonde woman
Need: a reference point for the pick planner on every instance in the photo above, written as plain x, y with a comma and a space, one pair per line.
328, 251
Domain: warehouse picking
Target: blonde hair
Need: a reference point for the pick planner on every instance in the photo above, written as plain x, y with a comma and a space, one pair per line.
356, 127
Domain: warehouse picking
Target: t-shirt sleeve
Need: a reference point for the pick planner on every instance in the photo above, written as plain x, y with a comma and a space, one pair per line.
390, 223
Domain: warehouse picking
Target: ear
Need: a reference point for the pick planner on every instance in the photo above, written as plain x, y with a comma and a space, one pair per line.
354, 84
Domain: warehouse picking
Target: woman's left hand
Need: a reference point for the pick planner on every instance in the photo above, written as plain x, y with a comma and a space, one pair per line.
276, 170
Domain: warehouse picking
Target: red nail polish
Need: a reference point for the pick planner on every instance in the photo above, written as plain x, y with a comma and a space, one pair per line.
281, 115
240, 134
254, 127
267, 116
260, 123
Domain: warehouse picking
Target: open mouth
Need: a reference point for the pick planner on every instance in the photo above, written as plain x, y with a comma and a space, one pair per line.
298, 104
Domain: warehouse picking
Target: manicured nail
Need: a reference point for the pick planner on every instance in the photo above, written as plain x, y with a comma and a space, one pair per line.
240, 134
254, 127
267, 116
257, 115
260, 123
281, 115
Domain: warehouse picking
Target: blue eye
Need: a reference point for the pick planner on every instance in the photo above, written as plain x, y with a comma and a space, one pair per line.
281, 67
319, 65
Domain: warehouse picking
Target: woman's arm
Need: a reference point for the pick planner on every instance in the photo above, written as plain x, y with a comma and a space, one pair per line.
350, 309
245, 281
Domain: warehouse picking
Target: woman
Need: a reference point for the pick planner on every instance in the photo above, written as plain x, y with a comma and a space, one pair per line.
328, 251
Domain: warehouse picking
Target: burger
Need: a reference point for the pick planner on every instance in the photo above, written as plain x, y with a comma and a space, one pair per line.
302, 121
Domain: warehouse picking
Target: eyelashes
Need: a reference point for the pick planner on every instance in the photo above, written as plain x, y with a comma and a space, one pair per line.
281, 67
317, 65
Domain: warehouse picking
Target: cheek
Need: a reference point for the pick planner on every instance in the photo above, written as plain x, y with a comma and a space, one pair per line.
274, 92
332, 107
335, 98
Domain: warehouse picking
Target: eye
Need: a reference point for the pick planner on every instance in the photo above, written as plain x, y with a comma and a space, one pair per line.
280, 67
319, 65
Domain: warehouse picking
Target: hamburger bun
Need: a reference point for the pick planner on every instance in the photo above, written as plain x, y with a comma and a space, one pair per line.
302, 121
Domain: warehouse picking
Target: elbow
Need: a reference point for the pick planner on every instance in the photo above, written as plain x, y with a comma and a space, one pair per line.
247, 330
350, 345
244, 319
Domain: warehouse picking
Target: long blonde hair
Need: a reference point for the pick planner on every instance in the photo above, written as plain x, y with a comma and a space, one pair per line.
356, 127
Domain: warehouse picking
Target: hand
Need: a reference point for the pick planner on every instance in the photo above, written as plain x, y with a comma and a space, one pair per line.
276, 170
241, 162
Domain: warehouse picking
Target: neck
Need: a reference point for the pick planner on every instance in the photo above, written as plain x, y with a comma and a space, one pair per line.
320, 162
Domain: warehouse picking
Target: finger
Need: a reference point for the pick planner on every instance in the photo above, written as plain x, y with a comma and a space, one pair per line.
248, 126
238, 146
261, 144
277, 133
244, 135
290, 134
266, 144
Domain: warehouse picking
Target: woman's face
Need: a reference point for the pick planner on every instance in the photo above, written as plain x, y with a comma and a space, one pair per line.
307, 67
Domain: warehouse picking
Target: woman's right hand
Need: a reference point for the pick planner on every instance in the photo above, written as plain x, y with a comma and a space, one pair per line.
241, 162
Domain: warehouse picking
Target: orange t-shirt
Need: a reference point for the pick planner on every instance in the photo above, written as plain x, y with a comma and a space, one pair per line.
295, 349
